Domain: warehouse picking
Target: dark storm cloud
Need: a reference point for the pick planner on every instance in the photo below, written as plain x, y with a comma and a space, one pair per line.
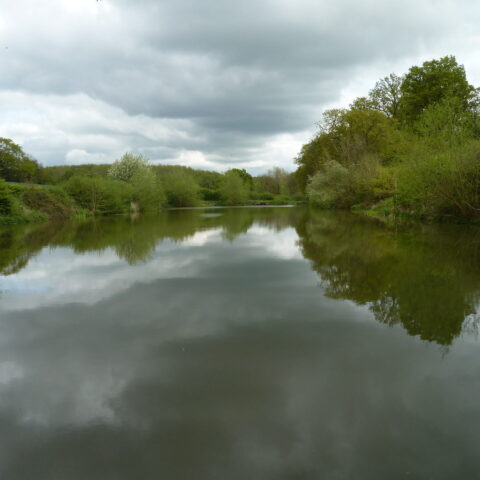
239, 75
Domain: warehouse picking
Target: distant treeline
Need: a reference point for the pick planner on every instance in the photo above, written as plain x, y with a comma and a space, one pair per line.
29, 191
411, 147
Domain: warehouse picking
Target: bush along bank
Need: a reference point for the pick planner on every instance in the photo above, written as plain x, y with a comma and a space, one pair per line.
410, 149
132, 184
31, 203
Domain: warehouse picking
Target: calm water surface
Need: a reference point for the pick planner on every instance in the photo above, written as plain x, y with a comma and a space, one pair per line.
261, 343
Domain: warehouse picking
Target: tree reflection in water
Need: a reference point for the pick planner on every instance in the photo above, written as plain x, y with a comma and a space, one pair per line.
425, 278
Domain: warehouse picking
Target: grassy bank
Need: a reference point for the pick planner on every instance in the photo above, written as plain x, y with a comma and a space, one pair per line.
129, 184
30, 203
85, 196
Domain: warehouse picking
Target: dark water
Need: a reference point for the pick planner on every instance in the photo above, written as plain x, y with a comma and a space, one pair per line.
263, 343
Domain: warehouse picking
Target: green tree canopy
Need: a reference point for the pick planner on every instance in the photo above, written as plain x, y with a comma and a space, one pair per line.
233, 190
347, 137
386, 95
433, 81
180, 188
99, 194
244, 175
15, 164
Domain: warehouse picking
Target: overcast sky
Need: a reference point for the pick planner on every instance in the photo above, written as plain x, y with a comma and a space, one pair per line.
206, 83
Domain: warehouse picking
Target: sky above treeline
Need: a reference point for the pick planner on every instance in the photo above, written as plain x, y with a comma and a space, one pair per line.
206, 83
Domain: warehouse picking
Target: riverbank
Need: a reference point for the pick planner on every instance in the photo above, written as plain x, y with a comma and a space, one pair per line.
23, 203
37, 203
387, 211
129, 184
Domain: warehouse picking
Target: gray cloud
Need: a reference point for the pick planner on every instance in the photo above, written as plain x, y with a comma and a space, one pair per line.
207, 84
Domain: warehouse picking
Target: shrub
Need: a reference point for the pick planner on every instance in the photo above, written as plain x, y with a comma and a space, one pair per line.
181, 189
52, 201
6, 200
99, 194
210, 195
442, 183
265, 196
233, 189
147, 191
281, 200
329, 187
339, 186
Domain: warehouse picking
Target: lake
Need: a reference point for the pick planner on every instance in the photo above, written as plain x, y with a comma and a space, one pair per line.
242, 343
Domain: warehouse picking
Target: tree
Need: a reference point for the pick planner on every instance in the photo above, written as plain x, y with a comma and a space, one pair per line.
147, 191
244, 175
276, 181
346, 137
99, 194
433, 81
386, 95
180, 188
233, 189
15, 164
327, 187
311, 157
127, 166
339, 186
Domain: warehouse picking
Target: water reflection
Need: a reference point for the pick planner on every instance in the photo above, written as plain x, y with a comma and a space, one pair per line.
133, 239
218, 344
425, 278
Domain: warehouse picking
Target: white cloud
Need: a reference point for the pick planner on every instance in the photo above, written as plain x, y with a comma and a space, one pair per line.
236, 84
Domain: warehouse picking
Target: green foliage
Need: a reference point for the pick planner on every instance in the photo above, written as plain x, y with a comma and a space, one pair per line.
276, 181
386, 95
204, 178
339, 186
265, 196
281, 200
210, 195
100, 195
147, 191
6, 200
311, 157
61, 173
51, 201
430, 83
438, 183
445, 124
346, 137
181, 189
244, 175
127, 166
329, 187
15, 164
234, 190
440, 171
428, 162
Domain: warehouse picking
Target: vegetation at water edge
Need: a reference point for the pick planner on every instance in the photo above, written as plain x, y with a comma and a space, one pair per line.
411, 147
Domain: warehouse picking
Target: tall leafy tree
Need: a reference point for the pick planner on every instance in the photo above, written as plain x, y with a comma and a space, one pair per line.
15, 164
386, 95
234, 190
432, 82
